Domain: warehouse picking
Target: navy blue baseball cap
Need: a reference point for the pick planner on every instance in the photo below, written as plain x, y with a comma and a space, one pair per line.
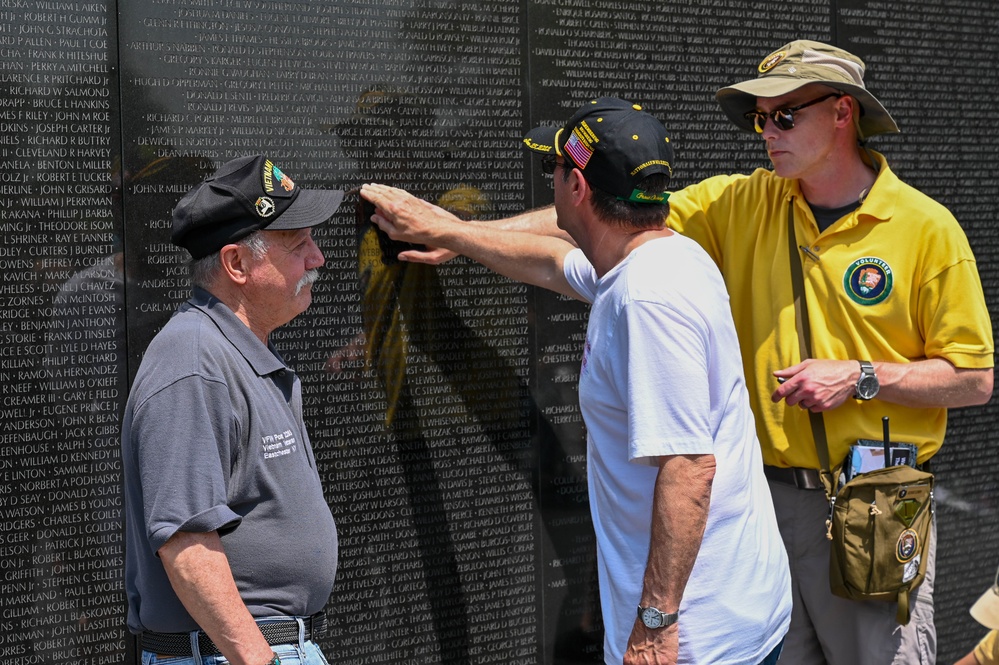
245, 195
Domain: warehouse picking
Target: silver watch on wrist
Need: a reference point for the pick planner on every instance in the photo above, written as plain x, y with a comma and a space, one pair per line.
654, 618
867, 385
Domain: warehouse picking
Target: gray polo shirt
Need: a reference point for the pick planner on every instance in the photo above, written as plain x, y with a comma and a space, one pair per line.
213, 440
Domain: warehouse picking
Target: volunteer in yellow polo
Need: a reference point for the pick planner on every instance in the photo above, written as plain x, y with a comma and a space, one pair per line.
893, 280
898, 321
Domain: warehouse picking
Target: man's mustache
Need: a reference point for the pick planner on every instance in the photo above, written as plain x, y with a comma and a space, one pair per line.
308, 278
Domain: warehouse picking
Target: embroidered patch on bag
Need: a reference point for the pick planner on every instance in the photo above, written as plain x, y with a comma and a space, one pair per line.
907, 546
911, 570
868, 281
907, 509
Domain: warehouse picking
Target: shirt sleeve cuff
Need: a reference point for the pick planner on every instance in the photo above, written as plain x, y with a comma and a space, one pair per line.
213, 519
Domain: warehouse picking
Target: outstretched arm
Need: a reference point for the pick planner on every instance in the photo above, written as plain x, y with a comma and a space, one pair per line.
525, 257
540, 221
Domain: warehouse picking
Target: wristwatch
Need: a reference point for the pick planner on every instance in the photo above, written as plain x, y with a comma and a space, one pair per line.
653, 618
867, 385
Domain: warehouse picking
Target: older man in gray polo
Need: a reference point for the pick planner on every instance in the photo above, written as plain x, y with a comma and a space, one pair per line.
231, 548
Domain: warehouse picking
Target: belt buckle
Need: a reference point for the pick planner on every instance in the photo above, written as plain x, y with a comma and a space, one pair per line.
800, 477
807, 479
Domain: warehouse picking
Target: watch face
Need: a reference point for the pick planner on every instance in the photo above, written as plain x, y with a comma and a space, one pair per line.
867, 387
652, 617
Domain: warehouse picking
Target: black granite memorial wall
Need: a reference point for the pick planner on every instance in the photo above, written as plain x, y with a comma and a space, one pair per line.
441, 401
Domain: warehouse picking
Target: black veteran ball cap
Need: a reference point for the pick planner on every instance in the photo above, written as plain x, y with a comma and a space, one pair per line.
614, 143
245, 195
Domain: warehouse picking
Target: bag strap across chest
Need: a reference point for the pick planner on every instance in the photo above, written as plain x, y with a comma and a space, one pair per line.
805, 334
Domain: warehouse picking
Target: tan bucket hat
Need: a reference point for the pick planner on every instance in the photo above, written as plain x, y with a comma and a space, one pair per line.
797, 64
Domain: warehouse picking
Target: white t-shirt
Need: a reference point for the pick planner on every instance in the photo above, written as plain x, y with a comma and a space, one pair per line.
662, 375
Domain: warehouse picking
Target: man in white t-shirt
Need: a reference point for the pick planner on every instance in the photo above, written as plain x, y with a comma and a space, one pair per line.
692, 567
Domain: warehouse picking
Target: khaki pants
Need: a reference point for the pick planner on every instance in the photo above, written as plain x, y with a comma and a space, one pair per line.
826, 629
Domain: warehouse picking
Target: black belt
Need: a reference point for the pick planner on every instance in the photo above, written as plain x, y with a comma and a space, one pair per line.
803, 479
806, 479
279, 631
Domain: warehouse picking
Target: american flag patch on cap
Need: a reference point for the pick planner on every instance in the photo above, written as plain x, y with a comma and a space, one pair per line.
578, 150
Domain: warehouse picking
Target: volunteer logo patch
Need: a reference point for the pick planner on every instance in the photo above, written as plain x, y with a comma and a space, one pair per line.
868, 281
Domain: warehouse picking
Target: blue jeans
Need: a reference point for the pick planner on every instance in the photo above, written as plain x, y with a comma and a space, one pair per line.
774, 655
307, 653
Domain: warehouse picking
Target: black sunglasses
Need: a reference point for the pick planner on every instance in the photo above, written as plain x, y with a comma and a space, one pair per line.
548, 164
784, 118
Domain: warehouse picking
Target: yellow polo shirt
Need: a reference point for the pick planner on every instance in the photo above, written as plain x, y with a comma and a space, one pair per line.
895, 281
987, 651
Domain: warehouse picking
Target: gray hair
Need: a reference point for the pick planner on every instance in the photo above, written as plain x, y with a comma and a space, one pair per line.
206, 270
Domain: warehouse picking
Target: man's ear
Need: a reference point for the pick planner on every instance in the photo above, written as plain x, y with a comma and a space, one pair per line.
847, 111
235, 260
579, 189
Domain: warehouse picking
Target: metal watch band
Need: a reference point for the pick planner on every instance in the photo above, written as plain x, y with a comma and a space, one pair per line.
867, 385
666, 619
